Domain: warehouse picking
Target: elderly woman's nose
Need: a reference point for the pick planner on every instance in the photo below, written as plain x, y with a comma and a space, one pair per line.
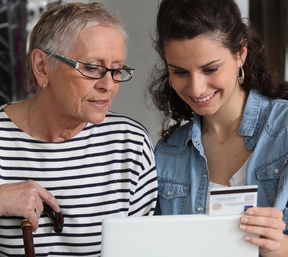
106, 83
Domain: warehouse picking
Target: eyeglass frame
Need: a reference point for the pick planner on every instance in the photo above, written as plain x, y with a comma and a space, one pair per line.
75, 64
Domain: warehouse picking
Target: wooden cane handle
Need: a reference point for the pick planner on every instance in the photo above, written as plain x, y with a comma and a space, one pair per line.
57, 218
26, 226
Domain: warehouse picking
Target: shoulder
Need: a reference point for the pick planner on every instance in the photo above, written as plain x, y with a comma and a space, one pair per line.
4, 118
2, 112
279, 104
123, 122
277, 113
120, 127
270, 105
263, 110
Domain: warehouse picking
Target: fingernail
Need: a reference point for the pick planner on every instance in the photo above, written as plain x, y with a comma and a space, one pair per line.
244, 219
249, 212
243, 227
247, 238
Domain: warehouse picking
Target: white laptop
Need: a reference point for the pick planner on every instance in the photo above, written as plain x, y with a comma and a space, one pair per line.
175, 236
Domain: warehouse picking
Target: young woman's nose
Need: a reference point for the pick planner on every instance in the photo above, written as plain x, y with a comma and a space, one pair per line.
197, 85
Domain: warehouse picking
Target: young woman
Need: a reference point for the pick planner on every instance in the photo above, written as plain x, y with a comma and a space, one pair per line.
225, 120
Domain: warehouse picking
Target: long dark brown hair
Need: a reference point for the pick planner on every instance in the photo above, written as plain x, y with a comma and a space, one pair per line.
186, 19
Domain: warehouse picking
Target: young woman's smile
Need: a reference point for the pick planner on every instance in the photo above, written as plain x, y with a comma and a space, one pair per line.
205, 100
203, 73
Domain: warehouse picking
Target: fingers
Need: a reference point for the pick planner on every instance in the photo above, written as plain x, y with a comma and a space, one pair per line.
38, 213
267, 223
22, 199
47, 197
266, 245
34, 219
264, 217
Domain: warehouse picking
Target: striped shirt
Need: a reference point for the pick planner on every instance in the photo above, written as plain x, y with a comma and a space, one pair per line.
107, 170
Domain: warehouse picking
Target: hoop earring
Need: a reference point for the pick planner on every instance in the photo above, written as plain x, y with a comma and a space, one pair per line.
44, 86
241, 75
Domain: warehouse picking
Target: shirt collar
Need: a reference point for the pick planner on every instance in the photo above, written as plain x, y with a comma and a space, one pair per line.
252, 112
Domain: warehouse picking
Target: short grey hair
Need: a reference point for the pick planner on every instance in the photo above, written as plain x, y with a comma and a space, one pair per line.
60, 26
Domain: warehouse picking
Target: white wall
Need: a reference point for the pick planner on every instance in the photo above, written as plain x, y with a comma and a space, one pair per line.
244, 7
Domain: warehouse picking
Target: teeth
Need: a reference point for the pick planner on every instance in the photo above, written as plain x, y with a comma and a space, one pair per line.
97, 102
203, 99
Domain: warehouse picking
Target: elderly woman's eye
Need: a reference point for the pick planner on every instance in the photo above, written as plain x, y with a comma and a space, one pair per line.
118, 72
90, 68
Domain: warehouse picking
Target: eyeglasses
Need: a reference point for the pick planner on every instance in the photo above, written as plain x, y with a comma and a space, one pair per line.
93, 71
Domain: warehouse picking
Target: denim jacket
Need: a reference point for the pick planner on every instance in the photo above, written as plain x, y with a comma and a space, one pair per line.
182, 166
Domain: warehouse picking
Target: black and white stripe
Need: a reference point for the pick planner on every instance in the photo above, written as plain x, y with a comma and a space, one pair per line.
108, 169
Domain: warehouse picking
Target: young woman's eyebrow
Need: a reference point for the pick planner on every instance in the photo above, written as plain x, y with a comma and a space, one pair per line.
174, 66
203, 66
208, 64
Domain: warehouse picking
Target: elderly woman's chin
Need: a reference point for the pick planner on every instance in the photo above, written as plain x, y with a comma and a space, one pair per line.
97, 118
95, 114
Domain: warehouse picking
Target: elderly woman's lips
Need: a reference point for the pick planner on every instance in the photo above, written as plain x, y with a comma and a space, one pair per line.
98, 103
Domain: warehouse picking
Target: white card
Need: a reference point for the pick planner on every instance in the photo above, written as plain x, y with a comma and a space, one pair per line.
232, 200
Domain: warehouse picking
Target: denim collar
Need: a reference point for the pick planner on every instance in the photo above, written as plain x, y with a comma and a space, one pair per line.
253, 111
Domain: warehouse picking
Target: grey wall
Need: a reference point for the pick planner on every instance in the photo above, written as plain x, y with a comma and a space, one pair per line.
139, 19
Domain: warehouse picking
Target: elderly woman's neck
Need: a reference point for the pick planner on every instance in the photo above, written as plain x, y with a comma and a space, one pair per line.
45, 123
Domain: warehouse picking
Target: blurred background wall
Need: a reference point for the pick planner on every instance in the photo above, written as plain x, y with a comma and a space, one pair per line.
17, 17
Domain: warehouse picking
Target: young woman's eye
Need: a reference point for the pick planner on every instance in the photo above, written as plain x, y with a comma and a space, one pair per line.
211, 70
180, 72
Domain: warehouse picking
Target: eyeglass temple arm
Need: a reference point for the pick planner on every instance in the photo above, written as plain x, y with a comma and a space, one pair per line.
126, 67
64, 59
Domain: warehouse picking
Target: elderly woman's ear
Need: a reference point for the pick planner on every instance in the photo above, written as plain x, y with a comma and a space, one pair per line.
40, 65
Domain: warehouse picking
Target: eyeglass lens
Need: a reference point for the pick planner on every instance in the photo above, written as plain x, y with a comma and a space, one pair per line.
93, 71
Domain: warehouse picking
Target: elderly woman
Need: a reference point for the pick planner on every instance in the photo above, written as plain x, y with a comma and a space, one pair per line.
63, 146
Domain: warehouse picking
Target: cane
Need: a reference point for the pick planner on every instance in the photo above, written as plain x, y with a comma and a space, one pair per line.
26, 225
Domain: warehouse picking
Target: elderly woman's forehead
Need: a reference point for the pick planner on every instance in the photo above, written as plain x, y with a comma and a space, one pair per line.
98, 33
98, 39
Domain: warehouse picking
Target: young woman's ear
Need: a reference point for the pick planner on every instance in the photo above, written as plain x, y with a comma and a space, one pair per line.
40, 64
243, 52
